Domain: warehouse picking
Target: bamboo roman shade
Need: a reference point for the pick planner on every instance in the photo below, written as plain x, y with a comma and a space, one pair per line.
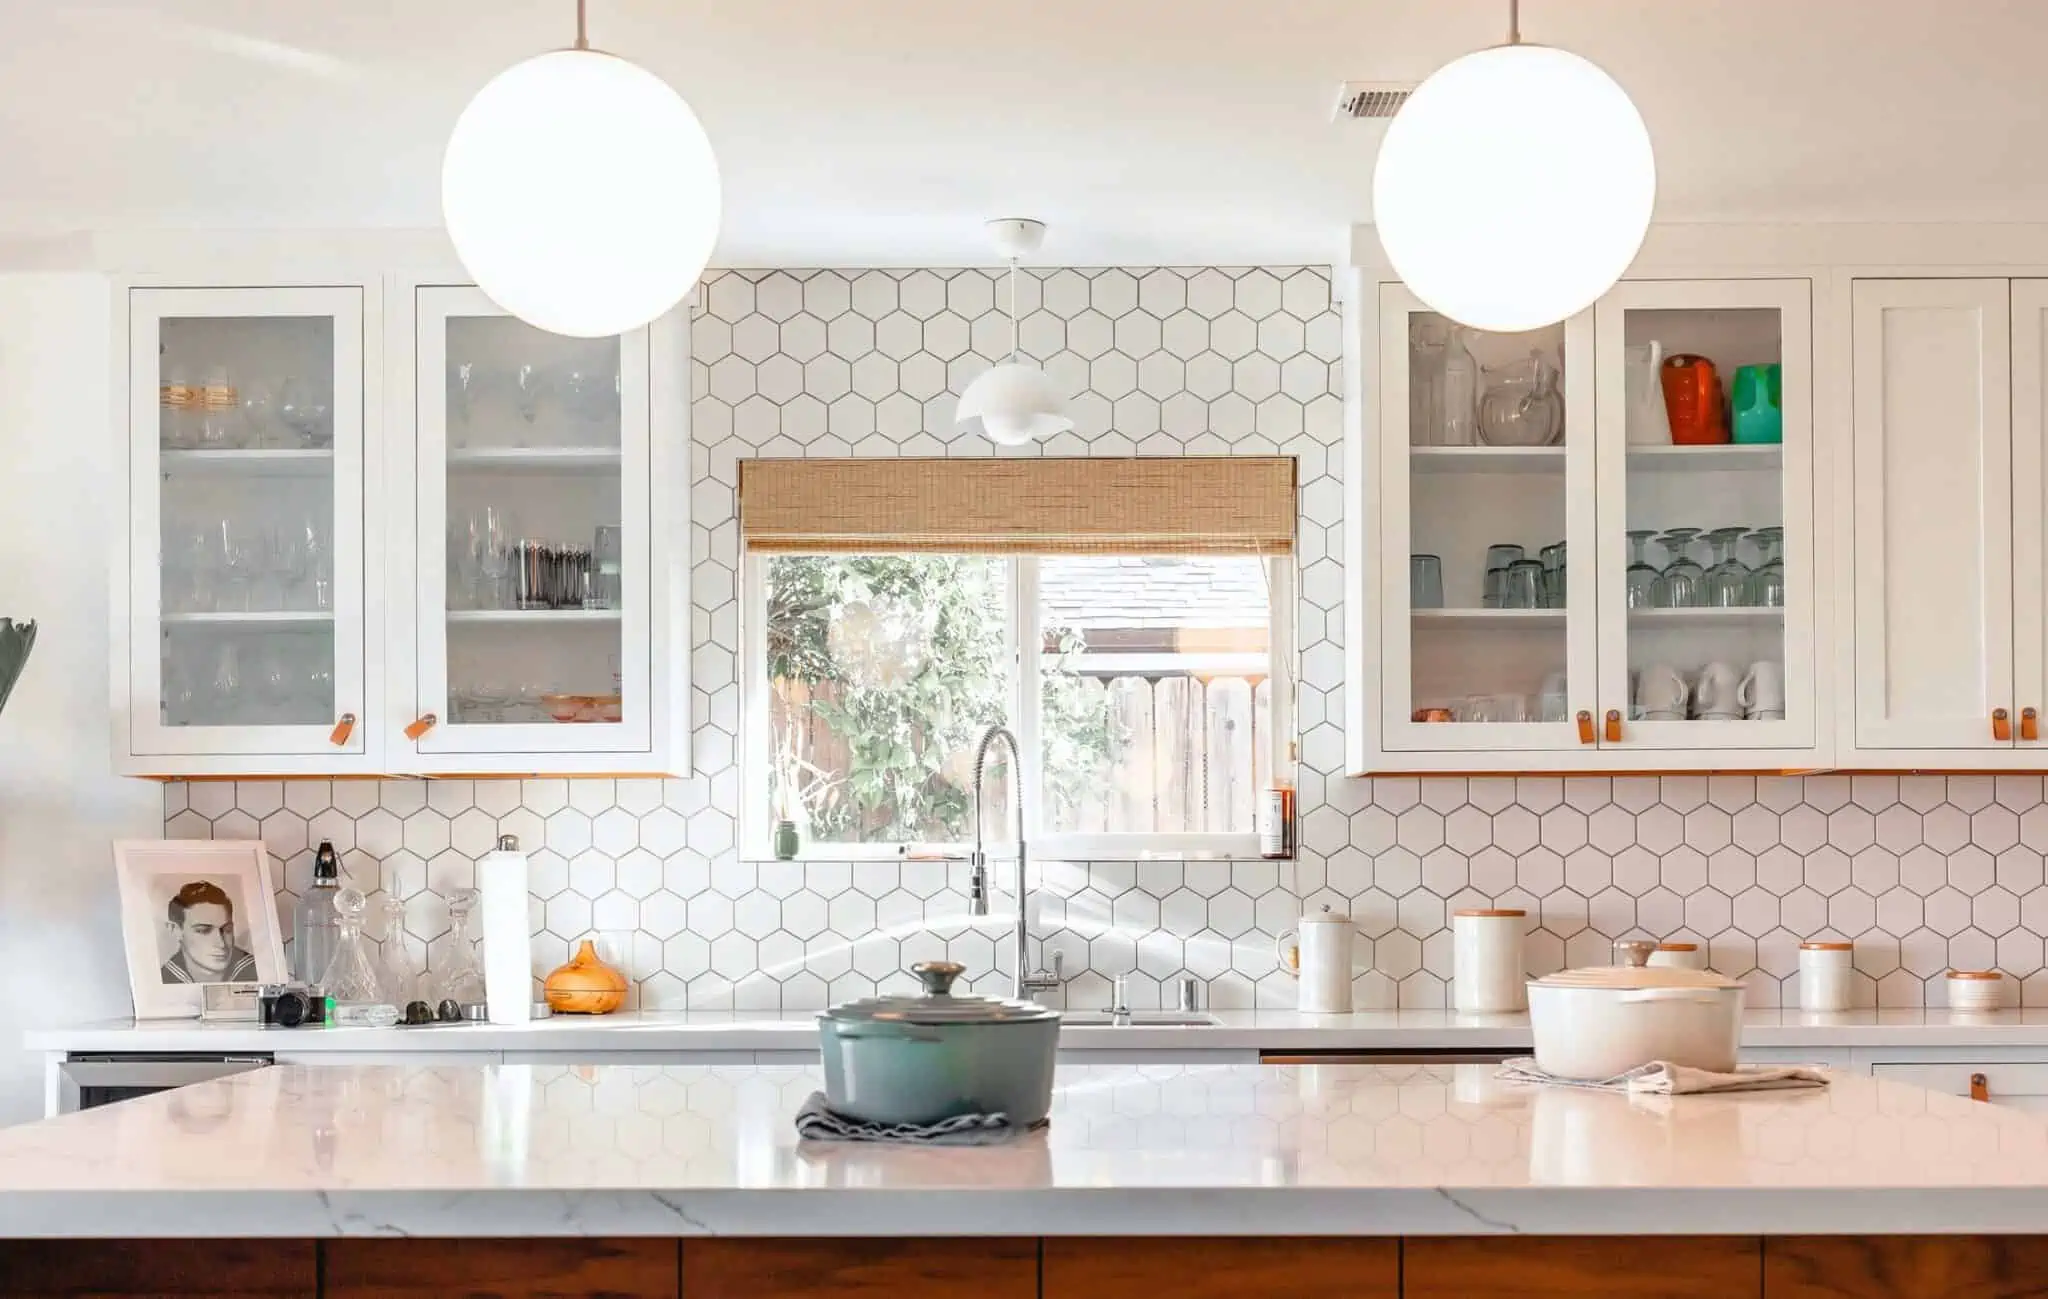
1197, 505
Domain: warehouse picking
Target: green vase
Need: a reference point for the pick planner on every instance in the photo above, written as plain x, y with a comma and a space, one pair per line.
786, 843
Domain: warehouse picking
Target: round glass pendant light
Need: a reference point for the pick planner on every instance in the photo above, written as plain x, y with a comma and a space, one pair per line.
581, 192
1514, 186
1016, 401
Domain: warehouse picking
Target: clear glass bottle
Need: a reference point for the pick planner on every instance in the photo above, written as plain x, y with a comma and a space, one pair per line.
316, 925
1460, 391
351, 979
460, 979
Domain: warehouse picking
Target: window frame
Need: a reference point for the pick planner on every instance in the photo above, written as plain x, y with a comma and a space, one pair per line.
756, 827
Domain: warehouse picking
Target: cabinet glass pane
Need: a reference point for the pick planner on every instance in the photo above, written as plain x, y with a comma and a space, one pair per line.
1704, 589
1488, 570
246, 433
534, 516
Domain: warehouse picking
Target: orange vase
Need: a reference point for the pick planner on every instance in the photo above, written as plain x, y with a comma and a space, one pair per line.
586, 985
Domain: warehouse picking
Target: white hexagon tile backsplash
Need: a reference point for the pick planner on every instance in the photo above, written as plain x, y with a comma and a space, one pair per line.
1926, 872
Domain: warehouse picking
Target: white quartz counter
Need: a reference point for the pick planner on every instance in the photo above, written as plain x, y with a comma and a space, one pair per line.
1164, 1150
1236, 1030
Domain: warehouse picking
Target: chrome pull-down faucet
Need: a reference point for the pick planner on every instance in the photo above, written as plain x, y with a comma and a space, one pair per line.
1026, 982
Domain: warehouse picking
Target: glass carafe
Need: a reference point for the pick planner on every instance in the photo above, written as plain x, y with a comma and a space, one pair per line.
1727, 585
459, 979
1460, 391
1642, 575
1427, 341
1683, 585
1521, 406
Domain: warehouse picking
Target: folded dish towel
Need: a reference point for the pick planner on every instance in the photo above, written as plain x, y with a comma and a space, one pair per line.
1662, 1078
817, 1121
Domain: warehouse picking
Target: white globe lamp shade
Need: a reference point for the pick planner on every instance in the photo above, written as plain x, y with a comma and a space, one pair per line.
1514, 187
1015, 404
581, 192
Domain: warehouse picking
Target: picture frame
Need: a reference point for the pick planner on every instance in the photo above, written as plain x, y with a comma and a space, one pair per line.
195, 912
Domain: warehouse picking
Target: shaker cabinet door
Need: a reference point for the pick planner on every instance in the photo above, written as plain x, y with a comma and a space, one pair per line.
2029, 530
1932, 552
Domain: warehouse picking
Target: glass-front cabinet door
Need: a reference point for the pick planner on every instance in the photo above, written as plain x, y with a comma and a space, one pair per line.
1706, 518
534, 488
246, 630
1487, 533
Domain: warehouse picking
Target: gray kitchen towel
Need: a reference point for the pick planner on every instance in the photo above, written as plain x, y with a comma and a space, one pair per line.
817, 1121
1662, 1078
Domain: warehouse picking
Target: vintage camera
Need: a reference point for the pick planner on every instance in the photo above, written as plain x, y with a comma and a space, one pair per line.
290, 1005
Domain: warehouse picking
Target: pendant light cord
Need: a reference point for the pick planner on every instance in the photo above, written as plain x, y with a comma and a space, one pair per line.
1514, 21
582, 26
1013, 310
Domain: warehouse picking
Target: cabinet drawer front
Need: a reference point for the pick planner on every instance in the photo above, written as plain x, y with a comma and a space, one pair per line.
2006, 1078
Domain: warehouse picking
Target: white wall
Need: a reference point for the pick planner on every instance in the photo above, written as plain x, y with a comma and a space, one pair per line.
60, 806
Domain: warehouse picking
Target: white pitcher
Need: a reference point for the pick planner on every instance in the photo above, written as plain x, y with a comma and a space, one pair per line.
1649, 423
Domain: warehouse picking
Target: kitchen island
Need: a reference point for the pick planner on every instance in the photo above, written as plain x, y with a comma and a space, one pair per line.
1401, 1174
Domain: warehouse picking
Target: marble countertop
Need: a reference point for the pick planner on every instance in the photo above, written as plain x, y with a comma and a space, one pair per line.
1236, 1030
511, 1150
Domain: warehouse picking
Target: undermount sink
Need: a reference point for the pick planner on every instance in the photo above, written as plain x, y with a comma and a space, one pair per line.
1139, 1019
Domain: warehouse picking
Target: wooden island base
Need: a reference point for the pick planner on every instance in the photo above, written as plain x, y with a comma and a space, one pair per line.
1625, 1267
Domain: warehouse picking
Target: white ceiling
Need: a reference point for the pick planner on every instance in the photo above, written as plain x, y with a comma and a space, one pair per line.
883, 131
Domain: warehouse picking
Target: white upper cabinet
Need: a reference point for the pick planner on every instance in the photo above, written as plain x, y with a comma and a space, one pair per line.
1566, 577
244, 643
487, 572
1933, 554
541, 637
1707, 532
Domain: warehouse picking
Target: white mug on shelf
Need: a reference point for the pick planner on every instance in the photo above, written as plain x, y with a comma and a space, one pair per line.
1718, 695
1661, 693
1762, 694
1318, 955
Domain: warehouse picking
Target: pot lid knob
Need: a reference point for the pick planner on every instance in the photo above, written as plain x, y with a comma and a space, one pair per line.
1634, 951
937, 976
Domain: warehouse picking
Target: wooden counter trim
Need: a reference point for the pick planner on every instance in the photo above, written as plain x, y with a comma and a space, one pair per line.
908, 1268
1879, 1267
218, 1269
384, 1268
1582, 1267
1112, 1267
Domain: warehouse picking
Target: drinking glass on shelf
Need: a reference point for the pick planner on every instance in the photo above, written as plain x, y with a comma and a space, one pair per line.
304, 411
462, 393
260, 426
529, 386
1767, 584
229, 685
1498, 557
1427, 337
1496, 584
177, 399
1503, 553
1727, 583
590, 394
1640, 578
1523, 586
1425, 581
240, 561
220, 412
608, 565
1553, 575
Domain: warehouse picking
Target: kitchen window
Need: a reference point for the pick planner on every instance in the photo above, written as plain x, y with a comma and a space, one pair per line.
894, 609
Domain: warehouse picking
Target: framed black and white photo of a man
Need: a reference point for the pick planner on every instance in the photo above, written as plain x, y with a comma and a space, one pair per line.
195, 912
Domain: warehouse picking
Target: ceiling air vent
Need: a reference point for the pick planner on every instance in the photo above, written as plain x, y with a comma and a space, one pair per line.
1381, 99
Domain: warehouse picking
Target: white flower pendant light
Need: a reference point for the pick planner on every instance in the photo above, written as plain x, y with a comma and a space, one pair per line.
1015, 401
581, 192
1514, 186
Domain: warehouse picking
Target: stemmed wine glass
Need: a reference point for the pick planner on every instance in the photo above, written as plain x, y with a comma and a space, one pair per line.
1642, 575
1728, 580
1680, 585
1767, 584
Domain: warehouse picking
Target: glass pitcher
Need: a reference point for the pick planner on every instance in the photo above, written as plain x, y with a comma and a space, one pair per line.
1521, 405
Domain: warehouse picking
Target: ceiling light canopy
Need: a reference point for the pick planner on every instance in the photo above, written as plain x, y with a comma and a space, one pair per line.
1515, 186
1016, 401
581, 192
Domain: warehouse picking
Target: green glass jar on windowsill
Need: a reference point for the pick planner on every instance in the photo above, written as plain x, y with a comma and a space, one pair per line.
786, 842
